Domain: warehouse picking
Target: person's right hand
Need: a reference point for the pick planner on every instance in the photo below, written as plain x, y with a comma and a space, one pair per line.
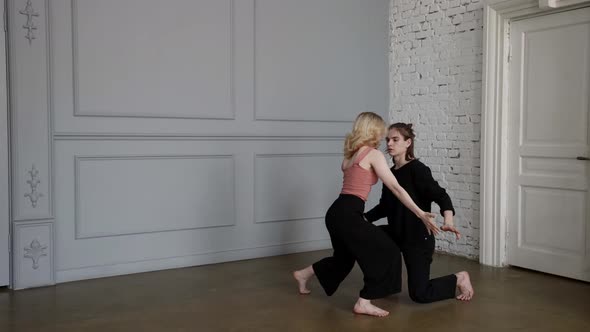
450, 228
428, 220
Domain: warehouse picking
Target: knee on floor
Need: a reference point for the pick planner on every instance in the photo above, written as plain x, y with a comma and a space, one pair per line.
419, 296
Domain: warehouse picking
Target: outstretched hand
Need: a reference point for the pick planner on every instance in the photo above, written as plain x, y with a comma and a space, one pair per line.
428, 220
452, 229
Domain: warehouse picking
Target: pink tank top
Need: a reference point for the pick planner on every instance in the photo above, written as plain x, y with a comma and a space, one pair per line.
357, 180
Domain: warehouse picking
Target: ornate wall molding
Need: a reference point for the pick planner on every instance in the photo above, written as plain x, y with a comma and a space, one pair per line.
81, 231
33, 182
30, 26
34, 241
79, 111
35, 251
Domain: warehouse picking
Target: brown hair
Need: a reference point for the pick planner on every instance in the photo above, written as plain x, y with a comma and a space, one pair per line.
368, 129
405, 129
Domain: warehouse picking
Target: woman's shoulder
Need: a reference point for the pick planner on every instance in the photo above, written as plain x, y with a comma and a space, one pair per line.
421, 170
419, 166
418, 163
365, 152
374, 153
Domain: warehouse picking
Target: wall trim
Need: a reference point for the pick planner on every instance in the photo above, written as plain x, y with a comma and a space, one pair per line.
85, 235
30, 26
21, 207
231, 113
33, 182
196, 259
23, 257
73, 136
6, 270
560, 3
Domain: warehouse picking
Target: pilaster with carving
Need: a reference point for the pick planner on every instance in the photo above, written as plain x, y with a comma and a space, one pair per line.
29, 75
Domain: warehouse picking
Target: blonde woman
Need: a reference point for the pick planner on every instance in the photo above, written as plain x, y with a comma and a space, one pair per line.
354, 239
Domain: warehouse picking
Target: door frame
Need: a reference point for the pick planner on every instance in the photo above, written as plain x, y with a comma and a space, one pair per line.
494, 120
5, 143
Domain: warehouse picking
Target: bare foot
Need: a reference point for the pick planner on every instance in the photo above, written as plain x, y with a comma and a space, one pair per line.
464, 286
364, 307
302, 276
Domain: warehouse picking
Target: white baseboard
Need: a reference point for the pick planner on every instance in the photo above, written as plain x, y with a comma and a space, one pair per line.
186, 261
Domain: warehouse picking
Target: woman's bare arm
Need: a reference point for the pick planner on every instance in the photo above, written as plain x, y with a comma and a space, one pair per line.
379, 164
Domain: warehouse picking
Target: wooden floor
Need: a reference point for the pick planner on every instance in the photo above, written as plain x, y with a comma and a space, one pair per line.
260, 295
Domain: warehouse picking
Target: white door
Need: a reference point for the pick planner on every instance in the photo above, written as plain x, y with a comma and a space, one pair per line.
548, 217
4, 217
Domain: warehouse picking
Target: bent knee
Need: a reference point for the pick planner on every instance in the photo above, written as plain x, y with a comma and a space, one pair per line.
420, 297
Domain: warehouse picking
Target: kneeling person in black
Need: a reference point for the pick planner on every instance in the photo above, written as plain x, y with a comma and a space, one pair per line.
409, 233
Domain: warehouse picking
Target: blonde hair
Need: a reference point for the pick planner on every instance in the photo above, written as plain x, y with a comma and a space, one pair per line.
368, 129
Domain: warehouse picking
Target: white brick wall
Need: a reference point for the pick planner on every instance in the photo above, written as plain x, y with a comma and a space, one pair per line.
435, 79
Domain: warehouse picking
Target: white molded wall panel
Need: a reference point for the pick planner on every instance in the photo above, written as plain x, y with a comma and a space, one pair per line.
321, 64
33, 255
183, 202
155, 193
211, 68
153, 58
30, 110
163, 133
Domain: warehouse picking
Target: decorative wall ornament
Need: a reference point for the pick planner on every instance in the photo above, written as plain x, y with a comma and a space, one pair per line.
35, 251
30, 26
33, 182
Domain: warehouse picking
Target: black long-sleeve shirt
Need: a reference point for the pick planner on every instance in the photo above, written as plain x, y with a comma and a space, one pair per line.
416, 178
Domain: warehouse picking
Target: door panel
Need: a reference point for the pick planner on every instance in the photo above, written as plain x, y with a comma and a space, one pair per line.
548, 185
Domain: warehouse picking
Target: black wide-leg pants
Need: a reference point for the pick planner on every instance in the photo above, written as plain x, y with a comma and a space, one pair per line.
354, 239
418, 257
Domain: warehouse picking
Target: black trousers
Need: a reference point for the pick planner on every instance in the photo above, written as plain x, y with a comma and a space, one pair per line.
418, 257
354, 239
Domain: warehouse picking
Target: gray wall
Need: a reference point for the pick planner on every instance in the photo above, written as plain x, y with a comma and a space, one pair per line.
183, 132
